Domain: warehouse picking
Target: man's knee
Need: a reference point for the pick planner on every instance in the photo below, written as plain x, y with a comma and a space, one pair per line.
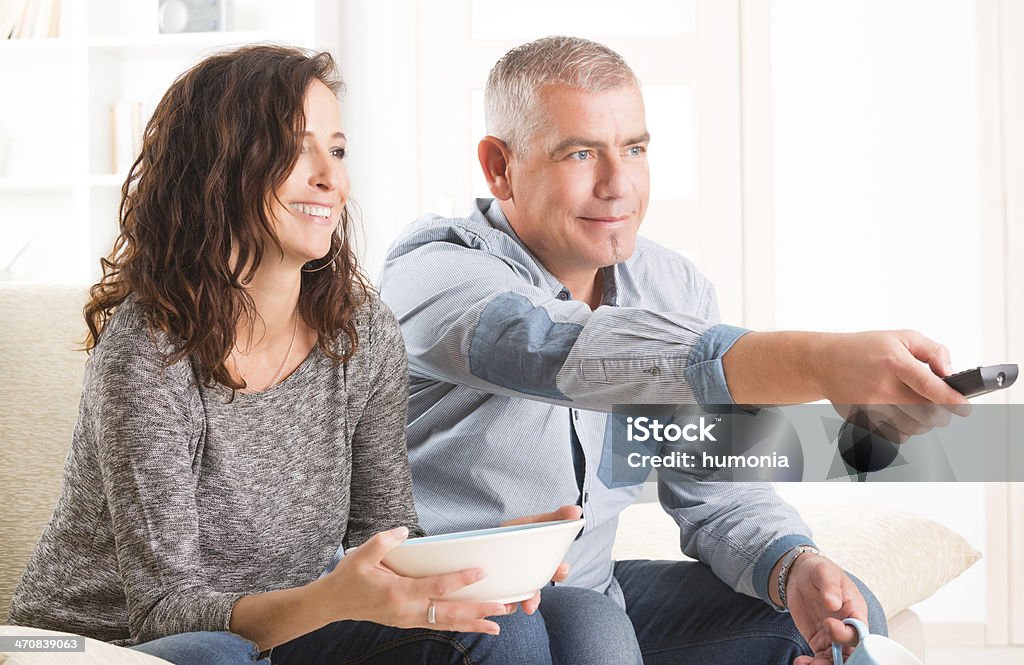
706, 618
876, 613
523, 640
588, 627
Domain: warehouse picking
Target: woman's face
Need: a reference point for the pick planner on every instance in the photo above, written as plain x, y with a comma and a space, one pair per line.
311, 200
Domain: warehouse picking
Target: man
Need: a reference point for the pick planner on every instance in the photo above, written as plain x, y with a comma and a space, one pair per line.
528, 320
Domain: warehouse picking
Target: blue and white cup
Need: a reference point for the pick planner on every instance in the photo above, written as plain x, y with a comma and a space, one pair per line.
873, 649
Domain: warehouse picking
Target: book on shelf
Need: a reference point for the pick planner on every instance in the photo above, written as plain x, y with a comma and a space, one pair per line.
30, 19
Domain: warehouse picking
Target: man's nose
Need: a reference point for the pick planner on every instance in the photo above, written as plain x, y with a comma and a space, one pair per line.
612, 180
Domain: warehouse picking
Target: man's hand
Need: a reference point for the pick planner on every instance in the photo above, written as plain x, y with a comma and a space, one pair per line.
892, 367
908, 398
890, 380
820, 596
564, 513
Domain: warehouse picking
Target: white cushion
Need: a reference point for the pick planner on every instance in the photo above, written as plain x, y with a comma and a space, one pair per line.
40, 327
96, 652
903, 558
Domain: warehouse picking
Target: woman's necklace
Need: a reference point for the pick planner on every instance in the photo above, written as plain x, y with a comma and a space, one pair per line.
284, 362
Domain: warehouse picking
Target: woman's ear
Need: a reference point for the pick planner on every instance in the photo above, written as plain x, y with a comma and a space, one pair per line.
495, 158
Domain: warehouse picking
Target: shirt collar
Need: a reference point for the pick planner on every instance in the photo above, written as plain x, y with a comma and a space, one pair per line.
491, 210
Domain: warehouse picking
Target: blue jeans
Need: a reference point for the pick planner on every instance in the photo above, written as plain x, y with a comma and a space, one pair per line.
677, 612
208, 648
682, 613
523, 641
576, 626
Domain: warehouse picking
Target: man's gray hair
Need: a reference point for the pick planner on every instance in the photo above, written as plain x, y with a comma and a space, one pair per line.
515, 82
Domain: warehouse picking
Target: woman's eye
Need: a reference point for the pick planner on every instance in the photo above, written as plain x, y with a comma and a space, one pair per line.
338, 152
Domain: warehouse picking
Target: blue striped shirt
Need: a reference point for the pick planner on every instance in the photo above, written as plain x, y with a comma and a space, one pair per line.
505, 366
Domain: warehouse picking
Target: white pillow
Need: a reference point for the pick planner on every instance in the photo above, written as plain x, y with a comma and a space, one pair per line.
903, 558
96, 652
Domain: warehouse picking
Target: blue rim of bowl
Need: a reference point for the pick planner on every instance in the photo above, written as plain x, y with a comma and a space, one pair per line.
462, 536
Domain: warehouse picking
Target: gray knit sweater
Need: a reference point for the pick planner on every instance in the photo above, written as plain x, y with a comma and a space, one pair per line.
176, 502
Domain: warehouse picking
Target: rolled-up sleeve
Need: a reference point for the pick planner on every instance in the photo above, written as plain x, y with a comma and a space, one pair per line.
704, 369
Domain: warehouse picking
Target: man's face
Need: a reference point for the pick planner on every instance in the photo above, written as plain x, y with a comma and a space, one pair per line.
580, 190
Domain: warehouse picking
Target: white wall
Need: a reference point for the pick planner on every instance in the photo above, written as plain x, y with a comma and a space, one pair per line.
376, 50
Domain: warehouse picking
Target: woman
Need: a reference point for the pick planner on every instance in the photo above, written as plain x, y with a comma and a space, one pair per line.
243, 410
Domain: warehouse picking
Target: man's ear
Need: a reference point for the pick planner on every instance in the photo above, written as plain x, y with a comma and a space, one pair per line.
495, 158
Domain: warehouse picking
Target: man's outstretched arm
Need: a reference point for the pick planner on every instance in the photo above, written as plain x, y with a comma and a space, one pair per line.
470, 315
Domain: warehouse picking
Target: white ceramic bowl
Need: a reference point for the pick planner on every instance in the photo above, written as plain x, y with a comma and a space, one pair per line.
518, 560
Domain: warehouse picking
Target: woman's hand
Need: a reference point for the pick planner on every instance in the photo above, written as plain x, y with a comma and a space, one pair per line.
364, 589
562, 572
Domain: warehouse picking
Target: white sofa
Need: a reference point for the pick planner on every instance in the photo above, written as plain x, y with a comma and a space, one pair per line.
40, 380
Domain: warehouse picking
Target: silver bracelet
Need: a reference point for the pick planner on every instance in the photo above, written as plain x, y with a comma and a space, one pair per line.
787, 566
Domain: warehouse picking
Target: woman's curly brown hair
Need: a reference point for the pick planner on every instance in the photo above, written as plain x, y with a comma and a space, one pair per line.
224, 137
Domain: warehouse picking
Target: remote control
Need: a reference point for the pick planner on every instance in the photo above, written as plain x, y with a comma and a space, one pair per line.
982, 380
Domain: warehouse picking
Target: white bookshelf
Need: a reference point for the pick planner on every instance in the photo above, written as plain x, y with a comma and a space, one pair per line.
59, 193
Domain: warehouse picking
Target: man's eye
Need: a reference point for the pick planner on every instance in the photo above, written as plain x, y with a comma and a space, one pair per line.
581, 155
637, 150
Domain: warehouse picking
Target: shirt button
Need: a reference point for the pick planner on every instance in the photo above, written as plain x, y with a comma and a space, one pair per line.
562, 295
